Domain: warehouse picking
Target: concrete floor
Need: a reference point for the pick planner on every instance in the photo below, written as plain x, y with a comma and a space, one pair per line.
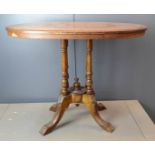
23, 121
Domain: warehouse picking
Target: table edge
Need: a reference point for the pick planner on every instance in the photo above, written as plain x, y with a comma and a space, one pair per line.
75, 35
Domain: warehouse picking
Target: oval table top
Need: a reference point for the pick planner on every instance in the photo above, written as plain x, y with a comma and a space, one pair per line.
76, 30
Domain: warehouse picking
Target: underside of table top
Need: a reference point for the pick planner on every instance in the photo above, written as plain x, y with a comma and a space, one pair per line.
76, 30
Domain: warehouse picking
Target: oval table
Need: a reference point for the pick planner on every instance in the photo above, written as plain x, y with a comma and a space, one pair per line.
65, 31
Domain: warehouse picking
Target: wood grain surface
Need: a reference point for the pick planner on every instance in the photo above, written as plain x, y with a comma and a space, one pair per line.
76, 30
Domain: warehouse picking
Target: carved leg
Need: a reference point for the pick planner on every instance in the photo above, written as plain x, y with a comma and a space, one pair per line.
65, 100
64, 67
64, 72
91, 105
62, 106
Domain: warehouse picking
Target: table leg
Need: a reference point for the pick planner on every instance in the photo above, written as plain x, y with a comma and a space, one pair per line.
89, 73
89, 97
64, 68
65, 99
91, 104
62, 106
89, 81
65, 75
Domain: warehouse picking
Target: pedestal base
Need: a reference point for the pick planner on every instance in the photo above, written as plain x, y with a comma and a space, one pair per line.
76, 94
64, 102
55, 106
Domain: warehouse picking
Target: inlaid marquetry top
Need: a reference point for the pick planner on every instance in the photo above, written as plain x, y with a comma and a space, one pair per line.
76, 30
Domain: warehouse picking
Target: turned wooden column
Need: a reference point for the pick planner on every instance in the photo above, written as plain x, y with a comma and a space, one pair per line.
64, 68
89, 81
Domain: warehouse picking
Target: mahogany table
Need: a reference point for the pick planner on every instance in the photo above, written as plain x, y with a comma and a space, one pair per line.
65, 31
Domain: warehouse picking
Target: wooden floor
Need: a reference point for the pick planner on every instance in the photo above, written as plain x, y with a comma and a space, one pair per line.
22, 121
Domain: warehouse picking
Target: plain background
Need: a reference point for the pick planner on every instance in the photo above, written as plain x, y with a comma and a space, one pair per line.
123, 69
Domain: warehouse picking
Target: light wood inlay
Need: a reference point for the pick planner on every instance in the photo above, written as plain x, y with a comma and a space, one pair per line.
76, 30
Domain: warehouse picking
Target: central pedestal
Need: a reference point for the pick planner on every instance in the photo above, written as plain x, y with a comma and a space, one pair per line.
64, 101
76, 94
